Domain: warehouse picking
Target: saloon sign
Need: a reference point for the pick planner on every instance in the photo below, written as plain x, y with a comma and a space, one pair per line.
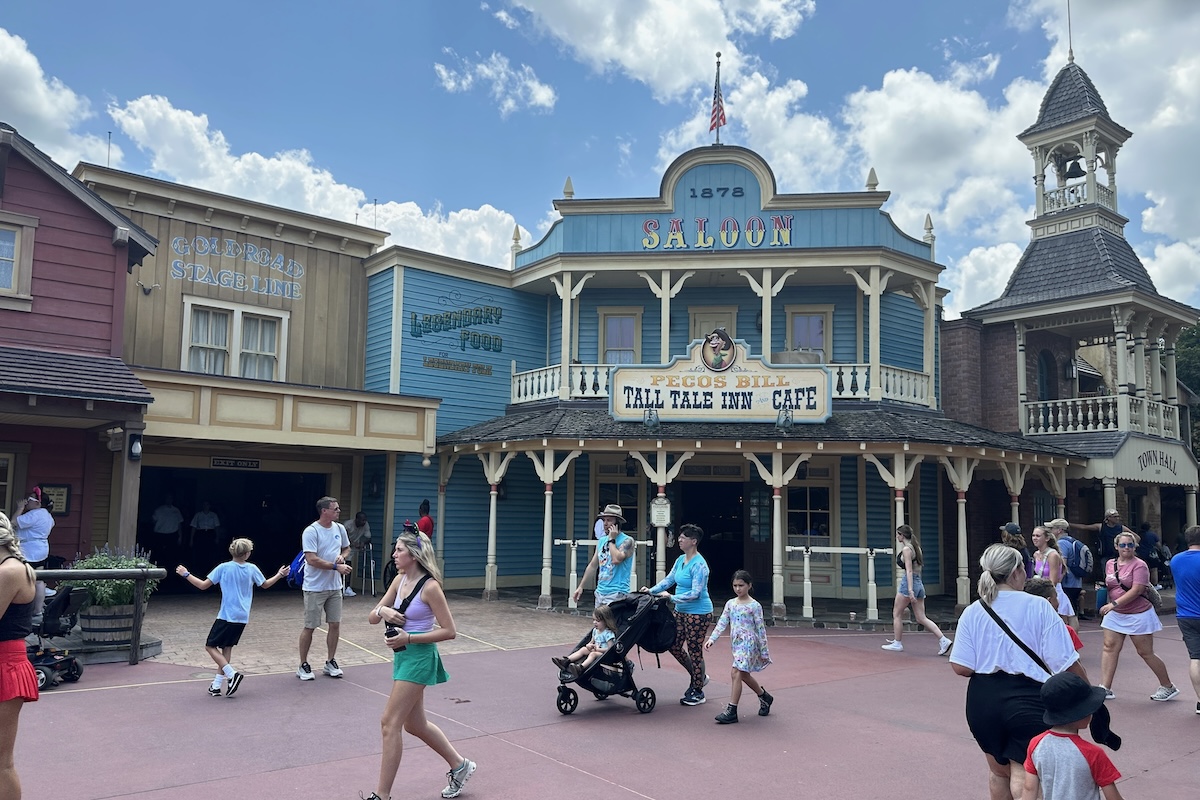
718, 381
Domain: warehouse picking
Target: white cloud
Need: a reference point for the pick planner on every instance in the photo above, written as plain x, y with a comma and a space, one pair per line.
980, 276
45, 111
1173, 268
183, 148
668, 45
511, 89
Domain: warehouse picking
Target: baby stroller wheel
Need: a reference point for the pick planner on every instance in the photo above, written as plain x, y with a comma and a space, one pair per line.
568, 700
645, 700
73, 672
44, 678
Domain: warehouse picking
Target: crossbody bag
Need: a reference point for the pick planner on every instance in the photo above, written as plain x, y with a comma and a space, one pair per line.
391, 630
1150, 593
1004, 627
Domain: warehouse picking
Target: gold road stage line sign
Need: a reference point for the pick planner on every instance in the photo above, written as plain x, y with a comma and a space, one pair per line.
718, 381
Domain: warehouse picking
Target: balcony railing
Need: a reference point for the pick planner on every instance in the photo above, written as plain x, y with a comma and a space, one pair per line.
850, 382
1088, 414
1076, 195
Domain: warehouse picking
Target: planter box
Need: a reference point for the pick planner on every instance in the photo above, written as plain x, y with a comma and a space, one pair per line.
109, 624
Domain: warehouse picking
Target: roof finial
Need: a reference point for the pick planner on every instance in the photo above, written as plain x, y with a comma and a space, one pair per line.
1070, 43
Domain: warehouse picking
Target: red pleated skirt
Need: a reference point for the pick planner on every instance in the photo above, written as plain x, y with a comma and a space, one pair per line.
17, 678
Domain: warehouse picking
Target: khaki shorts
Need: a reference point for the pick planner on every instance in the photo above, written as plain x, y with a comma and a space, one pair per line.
315, 602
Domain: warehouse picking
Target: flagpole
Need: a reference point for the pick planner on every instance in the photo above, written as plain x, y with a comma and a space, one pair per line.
718, 90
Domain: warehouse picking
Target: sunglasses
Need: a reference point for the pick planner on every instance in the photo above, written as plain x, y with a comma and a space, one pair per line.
1127, 544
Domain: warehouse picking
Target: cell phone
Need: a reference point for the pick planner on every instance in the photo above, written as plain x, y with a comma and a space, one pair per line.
390, 630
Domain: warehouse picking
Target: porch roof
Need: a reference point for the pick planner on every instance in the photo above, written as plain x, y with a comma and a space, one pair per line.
79, 376
878, 425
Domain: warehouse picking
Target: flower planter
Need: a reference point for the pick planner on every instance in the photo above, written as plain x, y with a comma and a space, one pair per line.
106, 624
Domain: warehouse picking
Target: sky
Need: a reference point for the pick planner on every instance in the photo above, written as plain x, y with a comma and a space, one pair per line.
448, 123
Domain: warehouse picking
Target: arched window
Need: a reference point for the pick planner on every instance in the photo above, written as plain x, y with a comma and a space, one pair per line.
1047, 376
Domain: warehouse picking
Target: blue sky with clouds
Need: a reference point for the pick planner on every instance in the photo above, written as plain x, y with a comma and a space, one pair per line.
448, 123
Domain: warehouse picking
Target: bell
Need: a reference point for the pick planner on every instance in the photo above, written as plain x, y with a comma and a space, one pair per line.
1074, 171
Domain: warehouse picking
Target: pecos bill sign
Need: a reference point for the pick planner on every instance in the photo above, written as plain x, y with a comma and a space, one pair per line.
718, 381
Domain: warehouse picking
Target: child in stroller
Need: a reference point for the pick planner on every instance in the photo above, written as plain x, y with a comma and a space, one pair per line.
639, 620
604, 628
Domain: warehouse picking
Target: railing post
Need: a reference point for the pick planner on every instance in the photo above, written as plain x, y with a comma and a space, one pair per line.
139, 611
872, 589
808, 606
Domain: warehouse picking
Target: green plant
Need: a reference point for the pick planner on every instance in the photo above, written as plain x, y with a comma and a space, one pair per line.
112, 591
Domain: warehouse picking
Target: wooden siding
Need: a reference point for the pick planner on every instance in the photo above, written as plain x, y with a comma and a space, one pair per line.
902, 332
378, 363
928, 525
852, 568
57, 456
100, 475
471, 396
880, 532
326, 329
76, 268
466, 523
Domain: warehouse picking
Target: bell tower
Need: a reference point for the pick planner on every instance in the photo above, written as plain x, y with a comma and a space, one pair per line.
1074, 145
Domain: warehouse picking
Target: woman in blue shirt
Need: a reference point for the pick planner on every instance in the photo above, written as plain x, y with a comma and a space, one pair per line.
693, 609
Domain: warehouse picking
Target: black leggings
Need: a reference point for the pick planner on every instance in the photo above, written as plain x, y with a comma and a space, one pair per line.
690, 630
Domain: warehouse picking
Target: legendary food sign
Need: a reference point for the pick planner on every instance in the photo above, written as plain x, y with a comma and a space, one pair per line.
718, 381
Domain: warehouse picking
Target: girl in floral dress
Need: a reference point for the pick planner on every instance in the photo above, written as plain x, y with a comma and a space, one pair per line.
744, 618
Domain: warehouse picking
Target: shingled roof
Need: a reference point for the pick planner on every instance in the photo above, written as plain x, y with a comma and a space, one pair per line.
1071, 97
1093, 261
73, 375
876, 425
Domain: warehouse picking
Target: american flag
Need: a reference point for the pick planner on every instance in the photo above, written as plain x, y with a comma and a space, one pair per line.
718, 108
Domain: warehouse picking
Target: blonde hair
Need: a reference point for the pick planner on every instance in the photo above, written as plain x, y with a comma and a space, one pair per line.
605, 615
8, 541
421, 549
1116, 539
999, 562
1048, 534
240, 547
906, 532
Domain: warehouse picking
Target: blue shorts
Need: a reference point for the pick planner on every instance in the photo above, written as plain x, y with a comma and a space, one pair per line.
918, 587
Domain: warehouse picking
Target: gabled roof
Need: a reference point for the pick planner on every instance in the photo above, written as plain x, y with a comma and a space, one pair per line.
1071, 97
1092, 261
140, 243
26, 370
867, 425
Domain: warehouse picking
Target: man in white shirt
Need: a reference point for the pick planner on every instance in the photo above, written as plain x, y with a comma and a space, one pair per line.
168, 520
33, 524
325, 546
205, 521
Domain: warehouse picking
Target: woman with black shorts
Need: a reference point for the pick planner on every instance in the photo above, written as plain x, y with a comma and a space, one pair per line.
1004, 704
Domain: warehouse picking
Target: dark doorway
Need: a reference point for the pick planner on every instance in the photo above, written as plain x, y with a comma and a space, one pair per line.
717, 507
270, 508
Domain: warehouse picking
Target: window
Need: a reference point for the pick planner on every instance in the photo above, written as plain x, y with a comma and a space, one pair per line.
808, 517
810, 328
7, 461
227, 339
620, 335
16, 260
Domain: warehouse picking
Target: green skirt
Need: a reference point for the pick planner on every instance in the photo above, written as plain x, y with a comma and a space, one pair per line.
419, 663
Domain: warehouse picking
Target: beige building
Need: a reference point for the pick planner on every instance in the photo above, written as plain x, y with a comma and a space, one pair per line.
248, 328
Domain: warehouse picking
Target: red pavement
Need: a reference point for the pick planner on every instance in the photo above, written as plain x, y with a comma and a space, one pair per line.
849, 720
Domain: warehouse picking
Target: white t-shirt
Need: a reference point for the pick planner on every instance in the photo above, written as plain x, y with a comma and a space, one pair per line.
328, 544
983, 646
33, 534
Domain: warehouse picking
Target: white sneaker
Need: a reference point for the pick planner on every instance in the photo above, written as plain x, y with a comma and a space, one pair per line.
1108, 693
348, 592
51, 592
944, 645
457, 778
332, 669
1165, 693
304, 672
893, 645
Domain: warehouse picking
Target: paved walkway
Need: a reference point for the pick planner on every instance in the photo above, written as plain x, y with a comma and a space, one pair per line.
849, 720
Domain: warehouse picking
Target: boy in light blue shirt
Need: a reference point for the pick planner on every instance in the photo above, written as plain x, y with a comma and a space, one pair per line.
237, 579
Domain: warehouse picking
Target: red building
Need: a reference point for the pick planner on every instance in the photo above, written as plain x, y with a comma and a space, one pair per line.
71, 411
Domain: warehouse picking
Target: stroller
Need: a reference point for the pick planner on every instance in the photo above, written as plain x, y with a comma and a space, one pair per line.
644, 621
59, 616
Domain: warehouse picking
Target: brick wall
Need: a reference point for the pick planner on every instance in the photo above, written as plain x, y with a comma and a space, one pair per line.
961, 370
999, 401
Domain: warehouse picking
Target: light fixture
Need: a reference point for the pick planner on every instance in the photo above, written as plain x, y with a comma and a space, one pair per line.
758, 321
631, 467
1070, 370
502, 490
135, 446
784, 419
374, 489
650, 419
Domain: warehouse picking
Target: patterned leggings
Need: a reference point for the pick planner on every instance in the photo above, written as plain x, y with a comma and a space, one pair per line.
690, 630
